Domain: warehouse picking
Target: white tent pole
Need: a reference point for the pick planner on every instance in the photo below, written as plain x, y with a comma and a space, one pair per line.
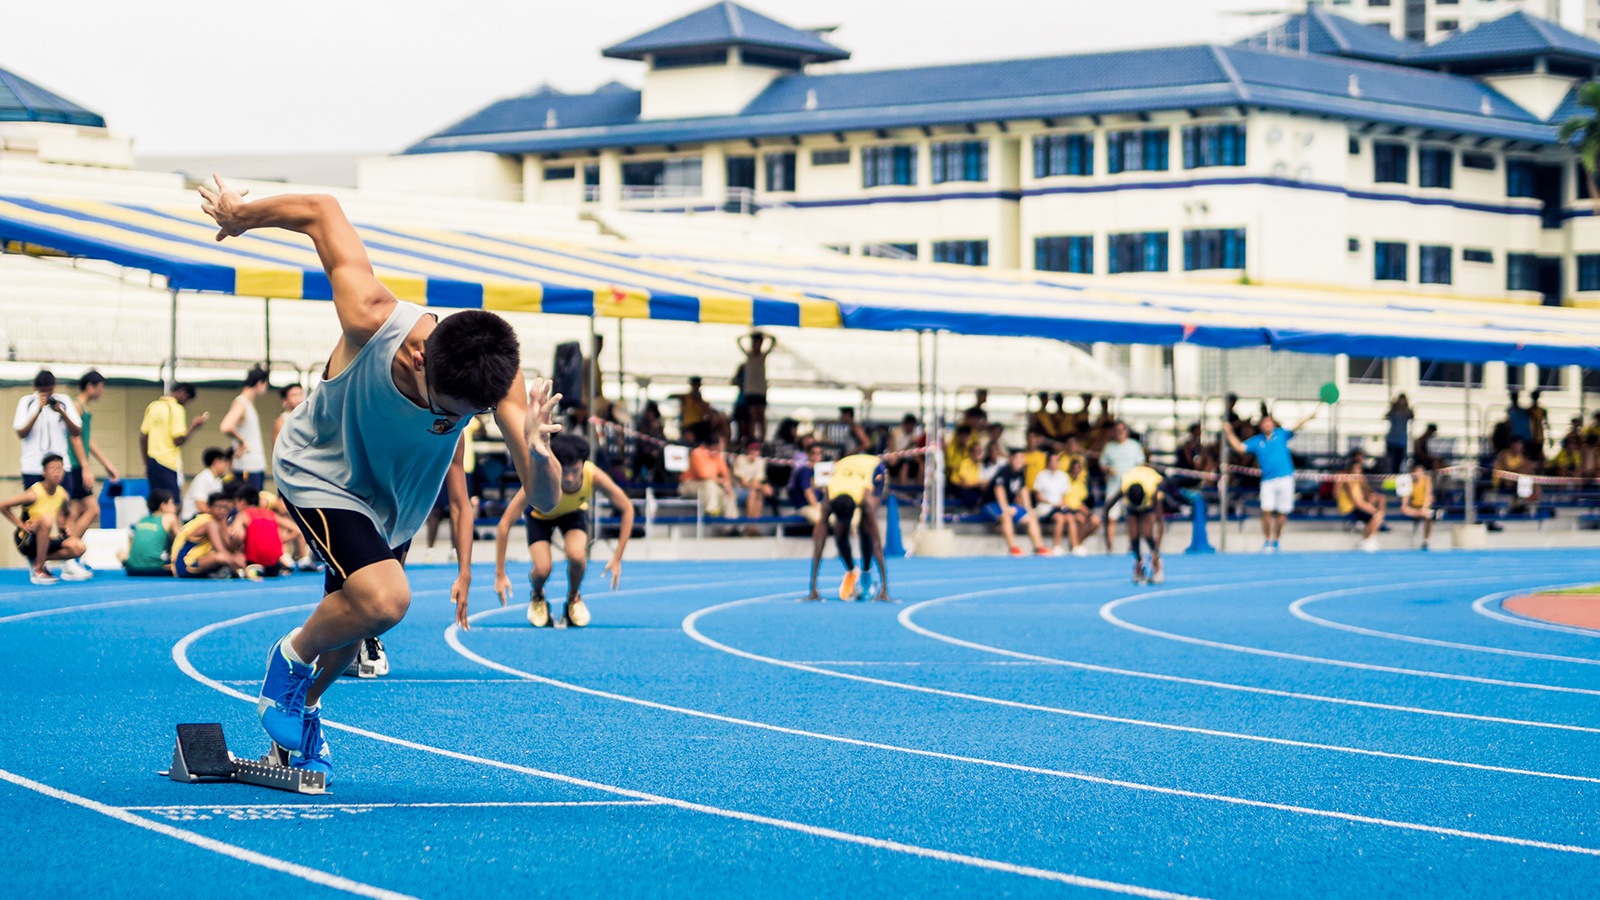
1468, 444
589, 388
936, 456
172, 343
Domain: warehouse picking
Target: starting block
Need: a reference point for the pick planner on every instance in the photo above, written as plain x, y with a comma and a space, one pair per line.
371, 661
201, 755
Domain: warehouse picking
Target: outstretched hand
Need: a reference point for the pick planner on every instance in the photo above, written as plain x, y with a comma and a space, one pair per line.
223, 205
540, 423
459, 592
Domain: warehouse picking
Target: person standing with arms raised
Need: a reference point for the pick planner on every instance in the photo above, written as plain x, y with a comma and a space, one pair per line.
1271, 450
359, 463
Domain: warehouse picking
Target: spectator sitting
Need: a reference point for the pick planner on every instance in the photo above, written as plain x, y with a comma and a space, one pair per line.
148, 548
255, 532
1568, 460
750, 476
1195, 456
41, 528
1038, 457
804, 494
1360, 503
1011, 504
1040, 422
693, 410
855, 439
1061, 497
967, 478
1509, 465
1418, 504
1589, 457
200, 549
1594, 427
206, 482
903, 439
958, 448
708, 479
992, 461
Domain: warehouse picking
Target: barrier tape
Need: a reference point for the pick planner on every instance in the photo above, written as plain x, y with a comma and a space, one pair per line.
624, 431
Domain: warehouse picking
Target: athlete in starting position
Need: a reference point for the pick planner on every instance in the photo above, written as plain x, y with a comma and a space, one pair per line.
579, 478
857, 484
360, 462
1142, 491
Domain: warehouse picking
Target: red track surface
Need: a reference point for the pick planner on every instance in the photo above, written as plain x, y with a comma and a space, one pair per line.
1582, 610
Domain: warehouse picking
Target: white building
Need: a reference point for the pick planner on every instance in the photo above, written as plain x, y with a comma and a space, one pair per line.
1435, 20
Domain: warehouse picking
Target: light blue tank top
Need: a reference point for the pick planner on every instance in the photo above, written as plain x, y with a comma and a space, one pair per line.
357, 443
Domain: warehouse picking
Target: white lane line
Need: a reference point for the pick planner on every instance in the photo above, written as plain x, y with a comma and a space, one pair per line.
690, 629
305, 873
135, 601
1107, 612
225, 807
906, 614
452, 637
180, 655
1297, 609
388, 680
897, 662
1481, 607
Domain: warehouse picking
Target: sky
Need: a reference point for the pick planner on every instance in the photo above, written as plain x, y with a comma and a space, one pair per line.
319, 76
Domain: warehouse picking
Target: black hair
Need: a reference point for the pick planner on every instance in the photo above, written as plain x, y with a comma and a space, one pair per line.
186, 387
89, 379
45, 379
158, 497
216, 498
284, 391
847, 411
213, 454
255, 376
249, 495
1135, 495
50, 458
569, 449
474, 356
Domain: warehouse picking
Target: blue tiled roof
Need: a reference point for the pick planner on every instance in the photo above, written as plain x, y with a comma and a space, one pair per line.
1568, 108
1514, 35
1084, 84
551, 110
23, 101
726, 24
1334, 35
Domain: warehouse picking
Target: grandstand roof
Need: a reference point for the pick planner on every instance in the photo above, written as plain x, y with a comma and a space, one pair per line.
1124, 81
1515, 36
726, 24
23, 101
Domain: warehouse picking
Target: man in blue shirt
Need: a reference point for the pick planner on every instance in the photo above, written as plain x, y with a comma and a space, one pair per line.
1271, 450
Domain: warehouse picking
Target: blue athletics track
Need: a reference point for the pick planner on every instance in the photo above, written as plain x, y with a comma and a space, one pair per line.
1329, 725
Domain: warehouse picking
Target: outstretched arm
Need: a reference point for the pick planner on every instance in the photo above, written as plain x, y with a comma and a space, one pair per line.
526, 423
1302, 423
625, 509
502, 537
461, 520
360, 300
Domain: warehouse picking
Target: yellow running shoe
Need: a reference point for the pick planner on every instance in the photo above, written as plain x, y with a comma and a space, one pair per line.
539, 612
577, 614
847, 587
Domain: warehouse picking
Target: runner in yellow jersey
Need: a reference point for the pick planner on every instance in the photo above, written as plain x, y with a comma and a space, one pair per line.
579, 478
1141, 491
42, 527
857, 485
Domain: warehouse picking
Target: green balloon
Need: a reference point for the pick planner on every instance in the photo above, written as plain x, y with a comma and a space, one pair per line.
1329, 393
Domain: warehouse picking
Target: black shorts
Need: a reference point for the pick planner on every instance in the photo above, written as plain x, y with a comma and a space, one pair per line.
1360, 515
163, 478
347, 542
73, 482
541, 530
28, 544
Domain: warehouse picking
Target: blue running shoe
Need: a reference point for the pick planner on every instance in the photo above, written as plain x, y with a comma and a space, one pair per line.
868, 587
313, 754
282, 704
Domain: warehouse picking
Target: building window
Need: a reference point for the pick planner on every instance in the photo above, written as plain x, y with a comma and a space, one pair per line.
1549, 377
889, 164
1144, 251
1433, 264
1355, 146
1434, 167
959, 161
1448, 25
839, 157
780, 172
891, 250
560, 173
1068, 253
1389, 260
963, 253
1213, 145
1484, 161
1137, 151
1367, 369
1213, 248
1353, 245
1378, 3
1580, 178
1522, 272
689, 59
841, 249
679, 176
1448, 373
1589, 272
1477, 256
1390, 162
1063, 154
1519, 178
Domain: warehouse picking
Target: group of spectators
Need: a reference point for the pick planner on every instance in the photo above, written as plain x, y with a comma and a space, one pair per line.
207, 526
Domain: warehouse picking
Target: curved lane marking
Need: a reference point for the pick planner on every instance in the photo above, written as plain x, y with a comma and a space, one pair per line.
180, 655
1481, 607
1107, 612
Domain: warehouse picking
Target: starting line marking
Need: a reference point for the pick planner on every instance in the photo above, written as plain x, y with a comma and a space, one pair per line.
281, 812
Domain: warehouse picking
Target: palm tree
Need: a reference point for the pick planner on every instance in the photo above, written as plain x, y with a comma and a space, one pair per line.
1586, 130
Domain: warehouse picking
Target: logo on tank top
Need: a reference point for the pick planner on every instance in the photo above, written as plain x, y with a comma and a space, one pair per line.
442, 426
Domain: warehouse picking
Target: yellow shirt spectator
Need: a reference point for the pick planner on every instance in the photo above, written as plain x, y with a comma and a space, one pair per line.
164, 421
1037, 460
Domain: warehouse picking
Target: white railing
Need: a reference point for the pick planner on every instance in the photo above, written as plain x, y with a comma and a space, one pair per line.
659, 191
591, 193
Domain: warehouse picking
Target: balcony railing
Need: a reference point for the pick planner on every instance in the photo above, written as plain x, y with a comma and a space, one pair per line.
659, 191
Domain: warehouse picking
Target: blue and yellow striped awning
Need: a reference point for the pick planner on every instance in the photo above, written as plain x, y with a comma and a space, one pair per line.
435, 266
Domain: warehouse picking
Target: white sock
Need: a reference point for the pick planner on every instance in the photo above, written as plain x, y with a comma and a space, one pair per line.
288, 648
